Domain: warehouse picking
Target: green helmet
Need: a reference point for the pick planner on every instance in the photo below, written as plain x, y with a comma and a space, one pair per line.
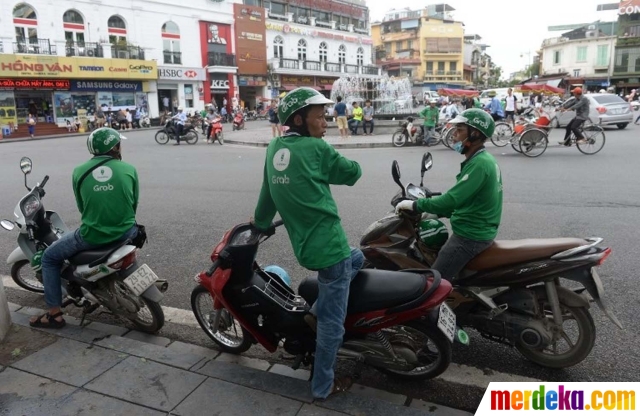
36, 261
299, 98
102, 140
433, 233
478, 119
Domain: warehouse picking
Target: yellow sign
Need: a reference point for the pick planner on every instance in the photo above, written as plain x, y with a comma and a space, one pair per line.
41, 66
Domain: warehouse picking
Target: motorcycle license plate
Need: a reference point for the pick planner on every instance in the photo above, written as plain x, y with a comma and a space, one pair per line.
447, 321
141, 280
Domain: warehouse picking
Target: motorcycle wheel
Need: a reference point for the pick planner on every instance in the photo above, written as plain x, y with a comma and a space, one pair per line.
191, 137
448, 138
162, 137
16, 274
221, 138
580, 349
200, 297
438, 345
399, 139
152, 325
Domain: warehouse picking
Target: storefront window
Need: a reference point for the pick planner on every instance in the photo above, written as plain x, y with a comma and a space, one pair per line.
188, 95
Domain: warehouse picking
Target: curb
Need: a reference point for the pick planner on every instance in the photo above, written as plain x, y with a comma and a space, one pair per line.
370, 145
57, 136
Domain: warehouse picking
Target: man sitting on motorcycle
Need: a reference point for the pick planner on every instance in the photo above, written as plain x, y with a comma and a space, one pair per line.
107, 199
180, 120
210, 117
299, 169
474, 204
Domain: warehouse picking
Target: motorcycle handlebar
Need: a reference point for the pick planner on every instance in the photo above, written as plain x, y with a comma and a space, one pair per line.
213, 268
44, 181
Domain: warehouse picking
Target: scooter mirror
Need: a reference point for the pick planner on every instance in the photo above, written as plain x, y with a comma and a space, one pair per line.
7, 225
26, 165
427, 162
395, 173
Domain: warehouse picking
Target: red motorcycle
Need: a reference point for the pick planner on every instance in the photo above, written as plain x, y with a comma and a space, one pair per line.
238, 121
216, 131
396, 321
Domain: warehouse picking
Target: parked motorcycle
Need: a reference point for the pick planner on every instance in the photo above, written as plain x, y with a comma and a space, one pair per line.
392, 323
401, 136
169, 132
238, 121
109, 276
512, 292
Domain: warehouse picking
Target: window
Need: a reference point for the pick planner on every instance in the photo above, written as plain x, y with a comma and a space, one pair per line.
73, 23
302, 50
409, 44
576, 73
453, 66
117, 31
360, 56
322, 16
603, 55
398, 46
278, 47
253, 3
556, 57
387, 48
171, 44
430, 66
26, 24
582, 54
277, 8
440, 66
188, 95
342, 54
323, 52
632, 31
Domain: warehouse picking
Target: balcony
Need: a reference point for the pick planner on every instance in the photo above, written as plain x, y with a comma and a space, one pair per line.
127, 52
35, 46
289, 63
312, 65
351, 69
174, 58
90, 49
221, 59
330, 67
627, 69
370, 70
294, 66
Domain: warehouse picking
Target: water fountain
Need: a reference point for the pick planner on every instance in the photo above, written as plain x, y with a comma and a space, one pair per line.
388, 95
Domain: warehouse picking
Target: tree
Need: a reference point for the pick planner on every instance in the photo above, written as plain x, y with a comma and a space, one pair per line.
534, 69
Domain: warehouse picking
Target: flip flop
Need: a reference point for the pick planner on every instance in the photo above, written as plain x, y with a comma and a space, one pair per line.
51, 321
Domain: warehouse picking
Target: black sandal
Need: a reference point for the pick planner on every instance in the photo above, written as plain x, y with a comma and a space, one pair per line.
51, 321
340, 385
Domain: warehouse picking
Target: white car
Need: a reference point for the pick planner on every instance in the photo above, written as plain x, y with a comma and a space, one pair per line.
604, 109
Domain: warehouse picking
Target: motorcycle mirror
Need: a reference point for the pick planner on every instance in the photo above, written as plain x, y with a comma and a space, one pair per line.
26, 165
395, 173
7, 225
427, 163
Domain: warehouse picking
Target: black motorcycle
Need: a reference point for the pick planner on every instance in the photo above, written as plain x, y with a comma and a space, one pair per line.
170, 132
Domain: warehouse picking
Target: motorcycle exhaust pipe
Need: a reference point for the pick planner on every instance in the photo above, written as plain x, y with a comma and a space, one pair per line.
162, 285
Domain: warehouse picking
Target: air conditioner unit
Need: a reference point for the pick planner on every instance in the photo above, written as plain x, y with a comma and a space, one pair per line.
591, 34
276, 84
591, 27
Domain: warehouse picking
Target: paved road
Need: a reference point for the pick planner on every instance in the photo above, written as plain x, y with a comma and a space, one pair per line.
192, 194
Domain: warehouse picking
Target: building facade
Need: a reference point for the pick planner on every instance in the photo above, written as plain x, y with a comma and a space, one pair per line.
67, 58
583, 56
626, 70
426, 45
477, 63
314, 42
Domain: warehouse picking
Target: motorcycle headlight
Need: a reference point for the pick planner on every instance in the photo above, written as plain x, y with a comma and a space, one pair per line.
30, 206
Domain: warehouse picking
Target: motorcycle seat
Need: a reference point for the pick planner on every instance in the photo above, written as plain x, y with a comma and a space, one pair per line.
373, 290
507, 252
89, 256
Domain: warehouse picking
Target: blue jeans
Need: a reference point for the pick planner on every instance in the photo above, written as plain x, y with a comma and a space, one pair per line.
54, 256
331, 311
456, 253
366, 123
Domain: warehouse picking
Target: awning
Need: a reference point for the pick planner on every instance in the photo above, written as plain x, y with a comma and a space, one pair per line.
554, 82
327, 86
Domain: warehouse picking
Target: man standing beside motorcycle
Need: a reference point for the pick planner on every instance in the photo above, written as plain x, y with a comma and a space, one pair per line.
474, 204
106, 191
430, 114
299, 169
180, 120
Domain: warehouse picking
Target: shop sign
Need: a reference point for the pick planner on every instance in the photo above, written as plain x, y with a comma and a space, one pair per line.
40, 66
37, 84
129, 86
252, 81
218, 84
330, 6
296, 80
325, 81
305, 31
182, 74
628, 7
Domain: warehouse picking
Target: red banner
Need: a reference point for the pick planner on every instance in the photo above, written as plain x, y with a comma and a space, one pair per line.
38, 84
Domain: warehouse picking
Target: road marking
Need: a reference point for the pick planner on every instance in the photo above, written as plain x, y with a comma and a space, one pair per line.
456, 373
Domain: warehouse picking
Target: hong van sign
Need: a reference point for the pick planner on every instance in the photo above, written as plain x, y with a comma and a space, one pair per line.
181, 73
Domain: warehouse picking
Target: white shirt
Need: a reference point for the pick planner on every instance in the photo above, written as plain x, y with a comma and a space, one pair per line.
511, 103
165, 101
452, 111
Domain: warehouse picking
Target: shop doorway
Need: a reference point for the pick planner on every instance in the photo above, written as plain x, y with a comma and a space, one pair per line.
168, 100
38, 102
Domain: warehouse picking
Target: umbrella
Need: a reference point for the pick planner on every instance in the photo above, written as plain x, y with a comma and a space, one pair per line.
449, 92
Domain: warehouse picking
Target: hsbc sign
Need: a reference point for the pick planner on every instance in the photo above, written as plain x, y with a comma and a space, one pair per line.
181, 74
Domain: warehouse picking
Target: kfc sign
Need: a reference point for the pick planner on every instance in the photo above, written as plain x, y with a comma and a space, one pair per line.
181, 74
218, 84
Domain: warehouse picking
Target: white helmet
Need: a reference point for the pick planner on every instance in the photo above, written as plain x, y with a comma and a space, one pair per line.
180, 108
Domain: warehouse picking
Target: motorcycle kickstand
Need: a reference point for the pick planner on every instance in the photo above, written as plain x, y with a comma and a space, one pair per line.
87, 309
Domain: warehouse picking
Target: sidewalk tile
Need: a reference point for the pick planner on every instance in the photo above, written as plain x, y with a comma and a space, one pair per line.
437, 409
283, 370
147, 383
29, 311
311, 410
70, 362
356, 405
76, 333
27, 394
14, 307
219, 397
108, 329
370, 392
244, 361
181, 347
260, 380
81, 401
150, 351
148, 338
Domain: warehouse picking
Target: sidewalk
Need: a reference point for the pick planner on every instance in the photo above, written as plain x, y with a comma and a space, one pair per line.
107, 370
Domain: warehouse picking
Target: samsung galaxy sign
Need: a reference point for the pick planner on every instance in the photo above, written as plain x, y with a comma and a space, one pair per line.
629, 7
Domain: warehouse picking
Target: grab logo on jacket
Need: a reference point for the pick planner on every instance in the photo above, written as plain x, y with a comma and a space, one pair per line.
102, 174
281, 159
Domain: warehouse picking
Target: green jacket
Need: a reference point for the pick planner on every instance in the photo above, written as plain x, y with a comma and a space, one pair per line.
430, 116
474, 204
107, 199
297, 174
